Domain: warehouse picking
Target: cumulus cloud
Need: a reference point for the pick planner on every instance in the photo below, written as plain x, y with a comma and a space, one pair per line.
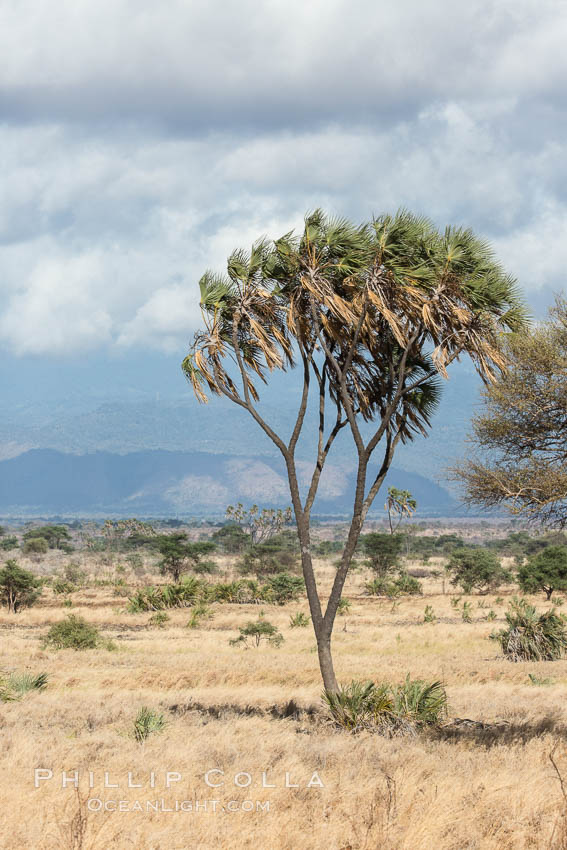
142, 143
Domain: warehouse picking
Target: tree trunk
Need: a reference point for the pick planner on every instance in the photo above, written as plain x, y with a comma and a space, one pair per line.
326, 663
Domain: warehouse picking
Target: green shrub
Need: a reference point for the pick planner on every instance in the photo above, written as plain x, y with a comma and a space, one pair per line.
159, 619
404, 585
199, 612
73, 633
61, 586
530, 636
383, 552
18, 587
35, 546
429, 615
256, 632
283, 588
466, 613
545, 571
477, 569
389, 709
344, 606
276, 555
299, 620
157, 598
148, 722
8, 543
74, 574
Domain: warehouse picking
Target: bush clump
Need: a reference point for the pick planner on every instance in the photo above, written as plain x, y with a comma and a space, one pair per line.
403, 585
477, 569
530, 636
385, 708
75, 633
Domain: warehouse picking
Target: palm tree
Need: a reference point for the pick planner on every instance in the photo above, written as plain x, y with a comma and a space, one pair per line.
373, 315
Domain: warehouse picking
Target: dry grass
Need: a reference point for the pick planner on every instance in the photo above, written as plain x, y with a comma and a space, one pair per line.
467, 791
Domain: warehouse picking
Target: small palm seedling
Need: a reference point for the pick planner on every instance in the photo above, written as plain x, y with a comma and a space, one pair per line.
199, 612
491, 615
455, 601
159, 619
15, 685
298, 621
256, 632
530, 636
429, 615
389, 709
148, 722
344, 606
499, 600
539, 681
466, 612
558, 601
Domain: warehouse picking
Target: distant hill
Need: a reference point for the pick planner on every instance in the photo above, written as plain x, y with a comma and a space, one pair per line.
168, 483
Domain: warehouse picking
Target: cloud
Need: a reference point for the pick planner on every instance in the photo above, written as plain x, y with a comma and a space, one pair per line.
141, 143
67, 290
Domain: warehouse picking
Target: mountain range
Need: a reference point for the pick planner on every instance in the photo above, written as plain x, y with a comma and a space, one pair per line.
133, 440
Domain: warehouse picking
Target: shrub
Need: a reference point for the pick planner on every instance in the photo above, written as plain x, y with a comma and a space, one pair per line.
530, 636
61, 586
344, 606
181, 595
298, 621
383, 552
256, 632
389, 709
466, 613
477, 569
35, 546
199, 612
18, 587
159, 619
283, 588
429, 615
242, 592
148, 722
404, 585
74, 574
73, 633
8, 543
206, 567
277, 555
231, 539
545, 571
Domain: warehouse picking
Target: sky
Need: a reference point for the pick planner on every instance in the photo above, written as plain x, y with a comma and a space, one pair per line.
141, 142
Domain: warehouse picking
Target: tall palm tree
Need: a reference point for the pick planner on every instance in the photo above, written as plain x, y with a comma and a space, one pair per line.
372, 315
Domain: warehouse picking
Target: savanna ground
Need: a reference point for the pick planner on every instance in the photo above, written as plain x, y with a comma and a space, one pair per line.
493, 786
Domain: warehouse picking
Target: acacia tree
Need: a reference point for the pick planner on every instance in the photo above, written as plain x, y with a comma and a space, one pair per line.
372, 314
519, 441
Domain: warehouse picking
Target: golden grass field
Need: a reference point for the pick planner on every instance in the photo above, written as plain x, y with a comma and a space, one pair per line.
462, 790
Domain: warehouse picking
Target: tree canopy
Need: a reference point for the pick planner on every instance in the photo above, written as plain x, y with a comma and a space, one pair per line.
519, 440
545, 571
373, 314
